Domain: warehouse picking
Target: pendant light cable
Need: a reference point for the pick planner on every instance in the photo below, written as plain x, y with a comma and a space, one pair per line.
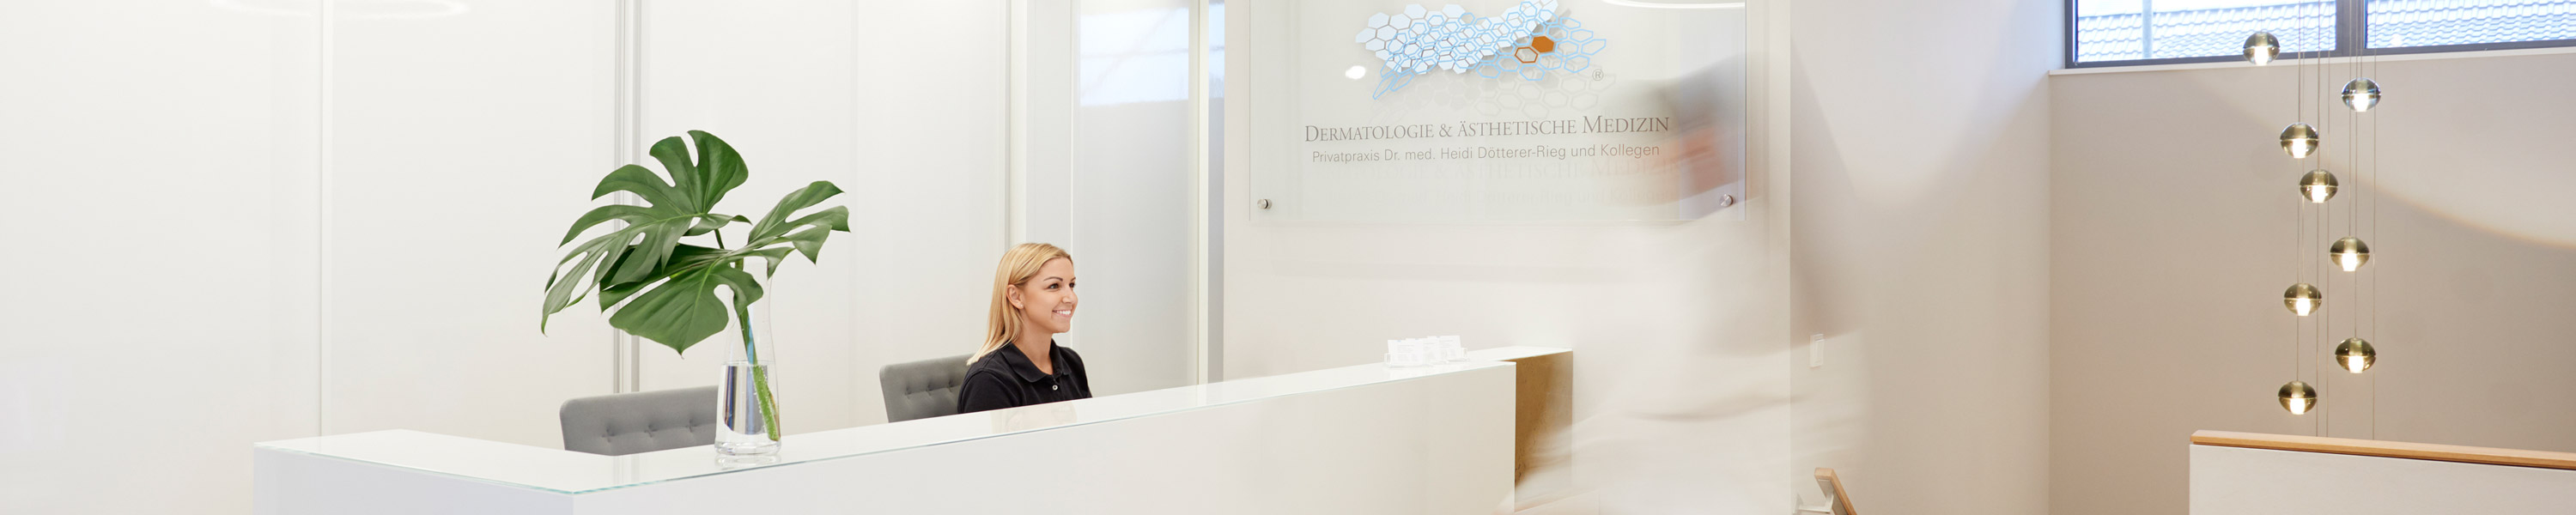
2321, 346
2373, 179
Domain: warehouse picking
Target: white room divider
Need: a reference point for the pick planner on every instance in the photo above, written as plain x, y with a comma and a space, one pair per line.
2247, 474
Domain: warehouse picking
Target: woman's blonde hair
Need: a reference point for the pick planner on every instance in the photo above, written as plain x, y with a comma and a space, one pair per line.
1018, 265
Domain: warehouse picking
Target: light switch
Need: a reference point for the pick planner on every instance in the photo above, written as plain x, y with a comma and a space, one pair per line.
1816, 350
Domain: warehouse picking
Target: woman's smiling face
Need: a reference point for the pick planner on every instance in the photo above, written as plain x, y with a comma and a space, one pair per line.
1046, 300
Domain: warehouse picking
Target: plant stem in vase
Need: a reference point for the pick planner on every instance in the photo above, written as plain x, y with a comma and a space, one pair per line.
767, 401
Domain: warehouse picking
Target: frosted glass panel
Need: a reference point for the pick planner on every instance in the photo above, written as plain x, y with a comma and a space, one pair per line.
1130, 202
1571, 110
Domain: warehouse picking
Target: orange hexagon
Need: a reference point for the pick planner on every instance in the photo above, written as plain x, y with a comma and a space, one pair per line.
1542, 44
1525, 55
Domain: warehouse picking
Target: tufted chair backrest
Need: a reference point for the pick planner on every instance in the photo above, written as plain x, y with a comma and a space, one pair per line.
630, 423
922, 389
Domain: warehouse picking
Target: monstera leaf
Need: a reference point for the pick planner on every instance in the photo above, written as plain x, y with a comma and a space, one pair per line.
665, 290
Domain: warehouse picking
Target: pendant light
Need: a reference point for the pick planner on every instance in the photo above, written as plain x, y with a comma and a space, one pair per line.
2261, 47
2360, 94
2349, 253
2317, 186
2299, 140
2302, 299
2355, 354
2298, 397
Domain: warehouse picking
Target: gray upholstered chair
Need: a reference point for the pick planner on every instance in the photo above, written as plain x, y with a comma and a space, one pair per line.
922, 389
630, 423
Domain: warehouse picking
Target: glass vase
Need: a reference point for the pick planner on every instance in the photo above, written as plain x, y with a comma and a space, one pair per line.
747, 398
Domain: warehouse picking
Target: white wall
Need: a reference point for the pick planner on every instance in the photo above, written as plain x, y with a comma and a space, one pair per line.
927, 210
808, 91
2172, 242
1922, 251
160, 200
456, 150
1678, 329
775, 79
279, 223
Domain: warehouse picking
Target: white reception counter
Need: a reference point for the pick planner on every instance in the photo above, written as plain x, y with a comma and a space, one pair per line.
1361, 439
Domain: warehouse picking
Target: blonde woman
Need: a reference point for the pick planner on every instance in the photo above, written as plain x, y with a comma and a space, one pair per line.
1020, 364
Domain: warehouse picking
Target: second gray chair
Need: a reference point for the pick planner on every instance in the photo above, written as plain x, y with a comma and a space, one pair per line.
630, 423
922, 389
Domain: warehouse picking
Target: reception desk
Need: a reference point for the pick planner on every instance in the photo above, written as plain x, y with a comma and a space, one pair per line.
1361, 439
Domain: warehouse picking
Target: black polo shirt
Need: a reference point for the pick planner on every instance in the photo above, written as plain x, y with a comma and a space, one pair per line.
1006, 378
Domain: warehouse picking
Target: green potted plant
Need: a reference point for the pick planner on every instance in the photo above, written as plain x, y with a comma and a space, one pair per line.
660, 286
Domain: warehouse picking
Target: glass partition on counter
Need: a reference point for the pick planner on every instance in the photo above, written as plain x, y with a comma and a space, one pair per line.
1593, 175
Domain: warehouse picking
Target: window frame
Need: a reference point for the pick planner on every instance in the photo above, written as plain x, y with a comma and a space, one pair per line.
2351, 34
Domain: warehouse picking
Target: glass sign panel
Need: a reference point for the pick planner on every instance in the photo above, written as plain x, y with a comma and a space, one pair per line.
1501, 111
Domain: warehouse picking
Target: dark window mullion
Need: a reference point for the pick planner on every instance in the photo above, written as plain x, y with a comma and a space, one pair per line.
2069, 40
2352, 26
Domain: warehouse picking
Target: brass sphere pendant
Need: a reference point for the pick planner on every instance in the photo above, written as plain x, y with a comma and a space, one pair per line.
2299, 140
2261, 47
2349, 253
2298, 397
2361, 94
2355, 354
2317, 186
2302, 299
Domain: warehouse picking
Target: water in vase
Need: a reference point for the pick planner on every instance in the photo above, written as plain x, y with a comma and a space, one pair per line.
744, 422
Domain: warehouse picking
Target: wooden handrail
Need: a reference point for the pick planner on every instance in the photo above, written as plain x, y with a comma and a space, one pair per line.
1840, 502
2387, 449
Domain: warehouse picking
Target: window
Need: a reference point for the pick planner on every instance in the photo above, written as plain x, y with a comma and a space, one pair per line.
2424, 23
2124, 32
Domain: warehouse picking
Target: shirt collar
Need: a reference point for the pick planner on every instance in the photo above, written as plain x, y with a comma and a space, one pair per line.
1020, 364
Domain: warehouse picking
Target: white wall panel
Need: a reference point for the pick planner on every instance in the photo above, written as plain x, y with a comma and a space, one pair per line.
1922, 252
2246, 481
1043, 97
461, 144
160, 225
901, 105
926, 208
773, 79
